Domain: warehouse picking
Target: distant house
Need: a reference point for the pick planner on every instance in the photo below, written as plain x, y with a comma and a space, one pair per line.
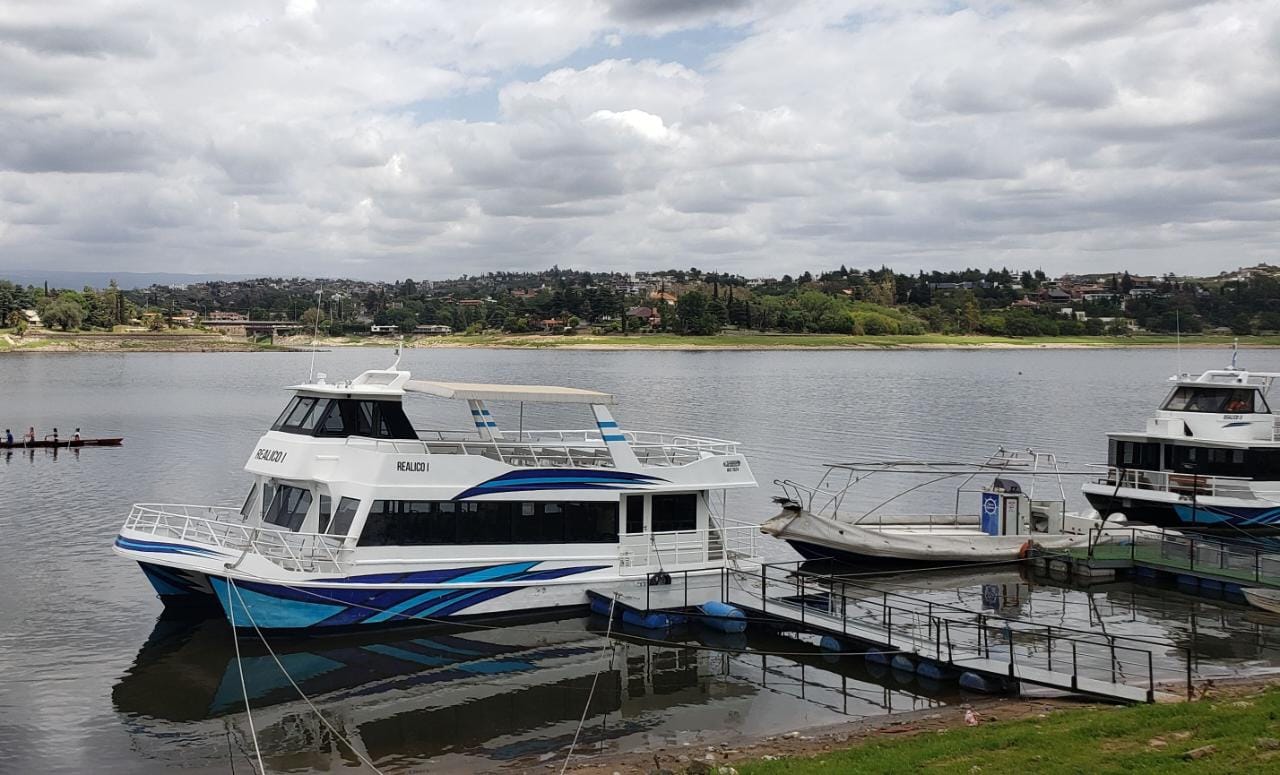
470, 302
661, 296
1024, 304
433, 330
383, 329
646, 315
33, 319
221, 315
552, 324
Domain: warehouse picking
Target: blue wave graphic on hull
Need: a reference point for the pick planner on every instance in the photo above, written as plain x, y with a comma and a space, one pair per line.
163, 547
584, 479
278, 606
1216, 515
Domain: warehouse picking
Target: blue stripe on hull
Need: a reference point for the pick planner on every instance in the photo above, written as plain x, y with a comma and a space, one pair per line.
574, 479
276, 606
1217, 516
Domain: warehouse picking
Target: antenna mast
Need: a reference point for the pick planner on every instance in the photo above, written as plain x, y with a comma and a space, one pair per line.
1177, 327
315, 335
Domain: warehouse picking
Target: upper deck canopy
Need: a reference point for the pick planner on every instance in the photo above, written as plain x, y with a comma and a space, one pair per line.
546, 394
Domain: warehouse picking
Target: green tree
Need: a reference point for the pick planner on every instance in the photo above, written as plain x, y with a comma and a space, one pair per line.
693, 315
63, 313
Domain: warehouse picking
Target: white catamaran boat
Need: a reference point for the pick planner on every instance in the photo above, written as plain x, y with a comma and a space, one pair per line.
354, 518
817, 523
1208, 461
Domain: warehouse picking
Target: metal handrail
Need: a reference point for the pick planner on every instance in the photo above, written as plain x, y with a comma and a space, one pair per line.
551, 448
968, 632
1181, 551
1176, 482
309, 552
717, 546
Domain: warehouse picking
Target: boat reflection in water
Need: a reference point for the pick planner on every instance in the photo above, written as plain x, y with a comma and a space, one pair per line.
476, 699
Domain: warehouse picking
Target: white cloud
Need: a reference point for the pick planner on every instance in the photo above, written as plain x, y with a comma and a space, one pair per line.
436, 138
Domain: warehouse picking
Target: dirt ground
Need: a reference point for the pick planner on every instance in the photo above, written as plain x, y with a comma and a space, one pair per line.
811, 742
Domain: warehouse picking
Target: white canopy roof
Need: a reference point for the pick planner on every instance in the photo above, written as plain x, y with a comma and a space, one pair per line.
534, 393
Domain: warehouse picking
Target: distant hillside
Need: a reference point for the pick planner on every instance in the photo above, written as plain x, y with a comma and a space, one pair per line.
126, 280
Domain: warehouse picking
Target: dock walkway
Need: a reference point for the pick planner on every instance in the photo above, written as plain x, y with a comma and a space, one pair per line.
1182, 555
946, 641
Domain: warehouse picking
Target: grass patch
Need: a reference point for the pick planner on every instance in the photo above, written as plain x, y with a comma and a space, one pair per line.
1086, 741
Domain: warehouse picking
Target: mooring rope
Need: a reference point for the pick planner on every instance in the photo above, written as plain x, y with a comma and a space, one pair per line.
244, 690
608, 644
288, 677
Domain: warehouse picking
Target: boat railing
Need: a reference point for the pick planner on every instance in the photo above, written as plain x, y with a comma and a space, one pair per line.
1186, 484
225, 528
557, 448
719, 545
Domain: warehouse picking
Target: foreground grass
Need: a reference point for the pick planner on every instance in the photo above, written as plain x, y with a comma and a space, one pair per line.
1140, 739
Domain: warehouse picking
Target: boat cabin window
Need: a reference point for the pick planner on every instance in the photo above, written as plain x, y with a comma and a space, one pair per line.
674, 513
1134, 454
420, 523
1216, 400
635, 513
342, 517
342, 417
288, 508
1206, 461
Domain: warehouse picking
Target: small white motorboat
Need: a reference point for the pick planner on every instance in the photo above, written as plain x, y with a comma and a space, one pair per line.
1009, 523
1262, 597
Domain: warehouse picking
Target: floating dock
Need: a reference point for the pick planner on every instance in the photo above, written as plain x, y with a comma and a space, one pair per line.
1205, 565
942, 642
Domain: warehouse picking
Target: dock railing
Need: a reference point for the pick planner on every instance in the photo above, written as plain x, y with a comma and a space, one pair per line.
1114, 665
223, 528
1229, 562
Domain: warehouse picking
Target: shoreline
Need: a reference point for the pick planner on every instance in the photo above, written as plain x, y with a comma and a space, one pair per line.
800, 746
104, 342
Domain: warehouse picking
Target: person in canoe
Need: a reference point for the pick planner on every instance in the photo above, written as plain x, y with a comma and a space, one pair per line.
8, 437
30, 437
76, 438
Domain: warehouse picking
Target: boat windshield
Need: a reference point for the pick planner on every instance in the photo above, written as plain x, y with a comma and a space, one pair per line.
1216, 400
342, 417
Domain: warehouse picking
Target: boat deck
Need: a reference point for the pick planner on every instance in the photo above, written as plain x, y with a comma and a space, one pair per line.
556, 448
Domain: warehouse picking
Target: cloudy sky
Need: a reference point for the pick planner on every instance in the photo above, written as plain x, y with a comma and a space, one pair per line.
385, 139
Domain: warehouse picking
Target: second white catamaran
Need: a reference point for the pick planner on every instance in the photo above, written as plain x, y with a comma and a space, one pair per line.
355, 518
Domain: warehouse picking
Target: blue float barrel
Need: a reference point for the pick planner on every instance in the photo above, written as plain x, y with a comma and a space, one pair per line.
723, 617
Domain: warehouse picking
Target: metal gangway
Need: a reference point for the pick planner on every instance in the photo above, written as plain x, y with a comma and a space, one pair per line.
1114, 667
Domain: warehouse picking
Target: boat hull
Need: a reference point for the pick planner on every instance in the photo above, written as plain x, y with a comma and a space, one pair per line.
816, 537
184, 577
1208, 515
1263, 598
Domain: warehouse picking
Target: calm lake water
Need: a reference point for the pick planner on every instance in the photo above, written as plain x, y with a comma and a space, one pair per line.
92, 678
